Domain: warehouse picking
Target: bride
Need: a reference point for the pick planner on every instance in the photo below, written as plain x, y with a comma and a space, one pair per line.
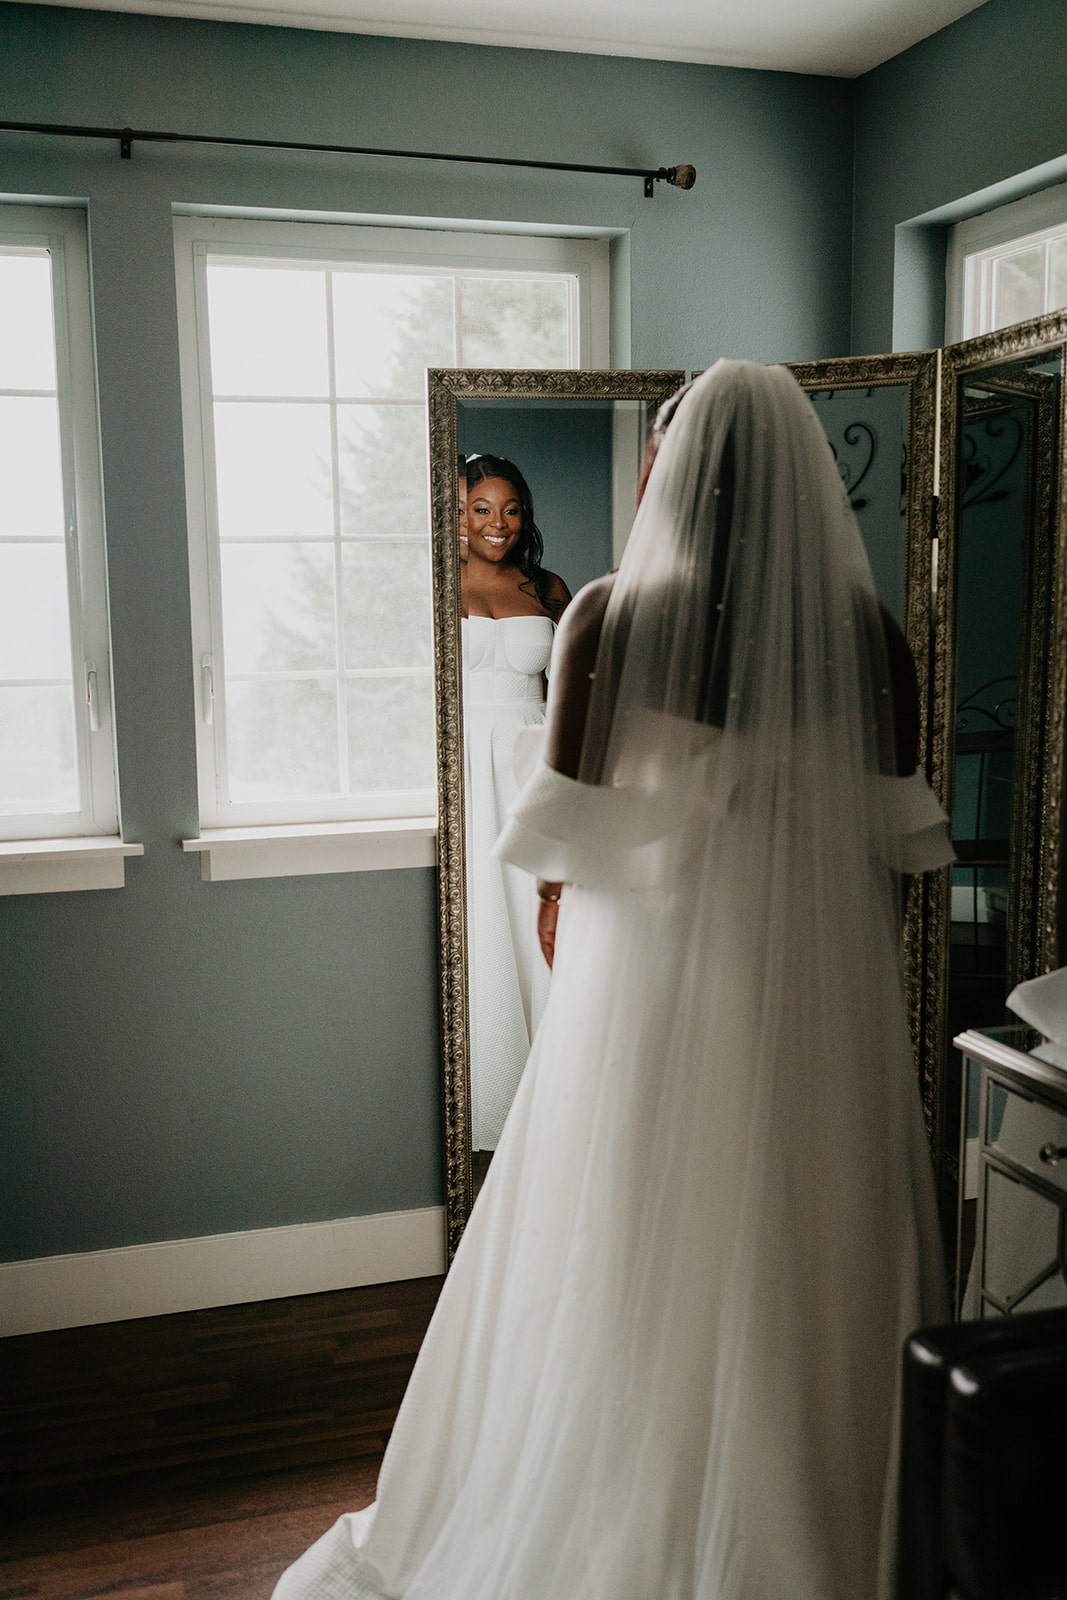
511, 604
664, 1363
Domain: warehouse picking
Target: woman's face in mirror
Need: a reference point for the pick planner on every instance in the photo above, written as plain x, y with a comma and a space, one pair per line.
494, 520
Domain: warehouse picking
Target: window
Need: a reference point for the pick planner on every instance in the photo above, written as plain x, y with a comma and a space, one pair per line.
57, 769
1007, 265
304, 357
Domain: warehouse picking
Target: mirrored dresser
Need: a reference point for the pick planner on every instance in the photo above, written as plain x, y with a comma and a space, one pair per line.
1012, 1233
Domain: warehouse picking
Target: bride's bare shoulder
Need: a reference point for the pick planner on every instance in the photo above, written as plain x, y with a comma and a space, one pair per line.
580, 625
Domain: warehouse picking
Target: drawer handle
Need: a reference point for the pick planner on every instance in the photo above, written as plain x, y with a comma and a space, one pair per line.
1052, 1153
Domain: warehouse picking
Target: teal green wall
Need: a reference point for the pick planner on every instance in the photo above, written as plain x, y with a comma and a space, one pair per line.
970, 118
181, 1058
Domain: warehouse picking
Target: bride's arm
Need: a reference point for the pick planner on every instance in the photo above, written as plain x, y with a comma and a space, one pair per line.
573, 663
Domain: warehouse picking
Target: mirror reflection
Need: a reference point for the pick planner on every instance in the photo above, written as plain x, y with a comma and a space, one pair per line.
1004, 506
575, 439
546, 494
1005, 488
511, 602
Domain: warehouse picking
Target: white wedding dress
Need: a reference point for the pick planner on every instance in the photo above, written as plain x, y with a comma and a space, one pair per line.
664, 1363
504, 660
570, 1428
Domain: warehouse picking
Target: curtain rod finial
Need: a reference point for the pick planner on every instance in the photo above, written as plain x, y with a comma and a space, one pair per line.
682, 177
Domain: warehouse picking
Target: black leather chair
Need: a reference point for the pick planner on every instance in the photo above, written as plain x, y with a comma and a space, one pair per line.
983, 1464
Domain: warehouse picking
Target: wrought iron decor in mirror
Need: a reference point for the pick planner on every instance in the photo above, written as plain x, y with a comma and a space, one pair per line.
578, 436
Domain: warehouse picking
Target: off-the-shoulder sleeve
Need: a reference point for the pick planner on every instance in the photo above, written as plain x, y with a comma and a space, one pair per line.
917, 829
634, 837
617, 838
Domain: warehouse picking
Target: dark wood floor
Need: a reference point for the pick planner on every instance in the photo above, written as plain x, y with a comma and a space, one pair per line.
193, 1457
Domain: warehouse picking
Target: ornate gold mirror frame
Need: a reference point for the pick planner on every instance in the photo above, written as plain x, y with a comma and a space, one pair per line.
1024, 366
447, 389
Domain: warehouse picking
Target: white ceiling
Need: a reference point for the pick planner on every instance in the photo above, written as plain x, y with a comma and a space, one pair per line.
841, 38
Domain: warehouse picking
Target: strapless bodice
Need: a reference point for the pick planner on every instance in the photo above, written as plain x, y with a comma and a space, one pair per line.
504, 657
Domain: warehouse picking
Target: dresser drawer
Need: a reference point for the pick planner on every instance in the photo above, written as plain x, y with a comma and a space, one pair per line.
1028, 1133
1021, 1267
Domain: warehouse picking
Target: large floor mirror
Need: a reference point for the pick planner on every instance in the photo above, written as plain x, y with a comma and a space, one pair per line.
963, 508
577, 439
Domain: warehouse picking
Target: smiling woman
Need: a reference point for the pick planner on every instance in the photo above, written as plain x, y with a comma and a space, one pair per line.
511, 604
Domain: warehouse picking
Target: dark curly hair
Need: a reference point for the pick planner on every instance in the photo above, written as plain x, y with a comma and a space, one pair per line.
529, 548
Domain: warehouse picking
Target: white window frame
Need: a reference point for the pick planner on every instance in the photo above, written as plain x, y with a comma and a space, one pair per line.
53, 851
974, 246
272, 840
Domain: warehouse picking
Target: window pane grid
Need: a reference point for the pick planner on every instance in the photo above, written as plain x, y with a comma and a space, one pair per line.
1014, 281
42, 741
314, 475
335, 684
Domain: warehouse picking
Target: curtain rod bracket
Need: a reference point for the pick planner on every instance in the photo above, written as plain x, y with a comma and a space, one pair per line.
126, 144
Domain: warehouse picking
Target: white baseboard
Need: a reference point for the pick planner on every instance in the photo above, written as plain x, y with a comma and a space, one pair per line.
223, 1269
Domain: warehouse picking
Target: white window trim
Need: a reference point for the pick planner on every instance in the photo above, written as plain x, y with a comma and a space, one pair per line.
1031, 219
77, 850
52, 866
343, 845
303, 849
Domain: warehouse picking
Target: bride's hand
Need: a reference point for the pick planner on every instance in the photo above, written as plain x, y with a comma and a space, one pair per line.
547, 917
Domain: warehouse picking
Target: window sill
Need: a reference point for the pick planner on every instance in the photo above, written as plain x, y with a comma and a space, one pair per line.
56, 866
304, 849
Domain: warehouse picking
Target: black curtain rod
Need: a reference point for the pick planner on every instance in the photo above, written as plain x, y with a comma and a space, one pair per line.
682, 177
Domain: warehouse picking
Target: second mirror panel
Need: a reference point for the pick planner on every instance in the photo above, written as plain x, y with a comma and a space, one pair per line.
1008, 421
999, 761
